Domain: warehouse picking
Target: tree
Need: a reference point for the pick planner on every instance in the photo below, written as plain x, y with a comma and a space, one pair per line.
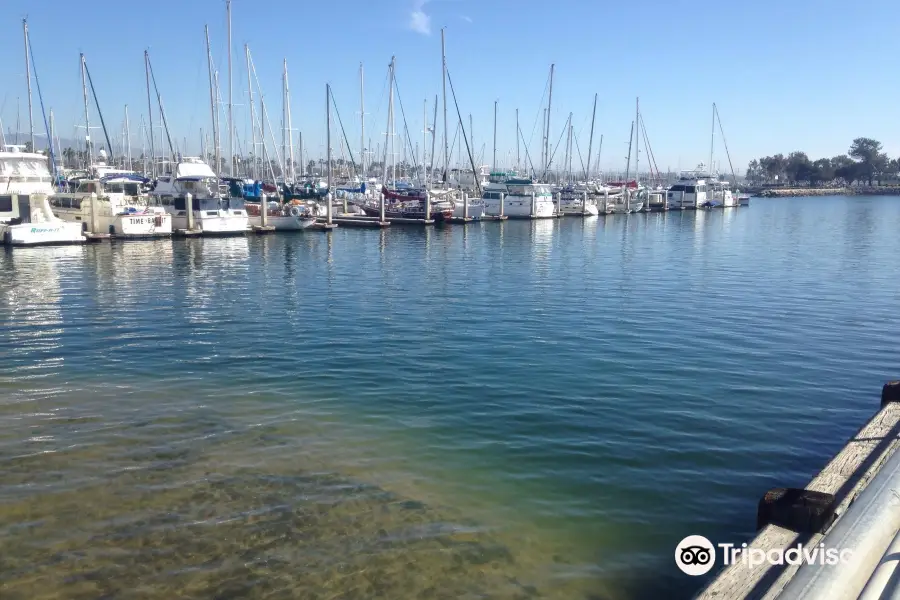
868, 155
754, 172
798, 167
822, 171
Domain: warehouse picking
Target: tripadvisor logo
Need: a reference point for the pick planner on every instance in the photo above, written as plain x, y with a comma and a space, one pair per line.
696, 555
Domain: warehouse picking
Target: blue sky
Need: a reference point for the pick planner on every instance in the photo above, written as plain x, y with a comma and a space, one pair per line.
786, 75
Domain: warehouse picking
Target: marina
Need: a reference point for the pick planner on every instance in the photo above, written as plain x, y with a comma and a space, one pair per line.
543, 350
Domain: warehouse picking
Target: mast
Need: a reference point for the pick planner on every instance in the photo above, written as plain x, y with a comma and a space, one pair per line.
28, 79
637, 142
328, 141
252, 121
425, 143
712, 141
230, 95
587, 174
213, 87
87, 121
143, 148
150, 116
290, 128
444, 83
127, 139
517, 140
52, 124
284, 120
362, 123
628, 163
494, 161
391, 127
549, 108
433, 135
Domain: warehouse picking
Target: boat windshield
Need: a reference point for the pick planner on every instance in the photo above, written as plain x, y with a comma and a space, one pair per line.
129, 188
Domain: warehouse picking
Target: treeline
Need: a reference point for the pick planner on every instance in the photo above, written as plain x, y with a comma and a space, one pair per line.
864, 163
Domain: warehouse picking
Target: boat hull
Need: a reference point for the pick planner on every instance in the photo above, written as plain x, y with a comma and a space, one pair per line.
284, 223
475, 210
41, 234
517, 206
223, 223
408, 213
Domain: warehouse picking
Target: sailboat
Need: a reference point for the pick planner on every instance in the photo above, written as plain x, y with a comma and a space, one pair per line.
26, 186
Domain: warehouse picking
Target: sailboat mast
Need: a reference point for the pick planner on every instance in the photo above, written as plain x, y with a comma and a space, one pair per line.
628, 163
284, 119
518, 157
290, 127
433, 136
328, 140
391, 126
494, 161
230, 95
712, 141
51, 133
143, 148
425, 143
28, 79
212, 101
362, 124
87, 121
444, 83
587, 174
252, 121
549, 108
637, 140
127, 139
150, 116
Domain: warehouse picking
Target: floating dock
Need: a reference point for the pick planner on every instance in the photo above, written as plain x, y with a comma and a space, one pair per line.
840, 509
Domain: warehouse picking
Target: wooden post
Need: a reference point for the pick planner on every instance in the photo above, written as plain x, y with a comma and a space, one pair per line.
558, 204
263, 210
533, 205
345, 203
189, 210
606, 201
427, 206
95, 218
502, 199
584, 204
380, 207
465, 206
328, 207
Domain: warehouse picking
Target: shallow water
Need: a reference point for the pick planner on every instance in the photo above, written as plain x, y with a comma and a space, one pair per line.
509, 410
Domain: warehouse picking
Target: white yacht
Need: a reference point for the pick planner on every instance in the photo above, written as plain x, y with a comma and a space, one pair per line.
122, 207
575, 200
698, 189
26, 218
212, 210
523, 198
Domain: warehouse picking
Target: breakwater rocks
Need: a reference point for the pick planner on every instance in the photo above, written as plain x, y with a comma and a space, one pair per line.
886, 190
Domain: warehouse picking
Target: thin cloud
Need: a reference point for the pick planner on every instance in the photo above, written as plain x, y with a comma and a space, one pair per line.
418, 20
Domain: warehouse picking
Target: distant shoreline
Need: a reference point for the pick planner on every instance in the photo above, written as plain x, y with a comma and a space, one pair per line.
885, 190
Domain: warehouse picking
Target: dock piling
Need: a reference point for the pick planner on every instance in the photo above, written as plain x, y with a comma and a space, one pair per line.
263, 210
584, 211
95, 217
189, 211
533, 206
465, 206
381, 207
502, 199
427, 206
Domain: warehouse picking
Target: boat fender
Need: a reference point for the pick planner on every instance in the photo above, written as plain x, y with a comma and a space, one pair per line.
800, 510
296, 211
890, 393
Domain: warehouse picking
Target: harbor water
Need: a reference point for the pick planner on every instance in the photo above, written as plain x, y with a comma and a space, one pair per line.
499, 410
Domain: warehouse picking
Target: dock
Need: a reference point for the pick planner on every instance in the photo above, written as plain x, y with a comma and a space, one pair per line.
788, 517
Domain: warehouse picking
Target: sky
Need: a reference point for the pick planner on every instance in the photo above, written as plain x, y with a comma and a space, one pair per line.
785, 74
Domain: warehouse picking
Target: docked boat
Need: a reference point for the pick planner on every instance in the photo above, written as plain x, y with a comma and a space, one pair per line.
121, 207
409, 203
521, 197
213, 212
290, 216
575, 201
697, 189
26, 218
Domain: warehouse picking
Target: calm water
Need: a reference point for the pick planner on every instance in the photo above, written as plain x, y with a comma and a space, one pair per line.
525, 410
